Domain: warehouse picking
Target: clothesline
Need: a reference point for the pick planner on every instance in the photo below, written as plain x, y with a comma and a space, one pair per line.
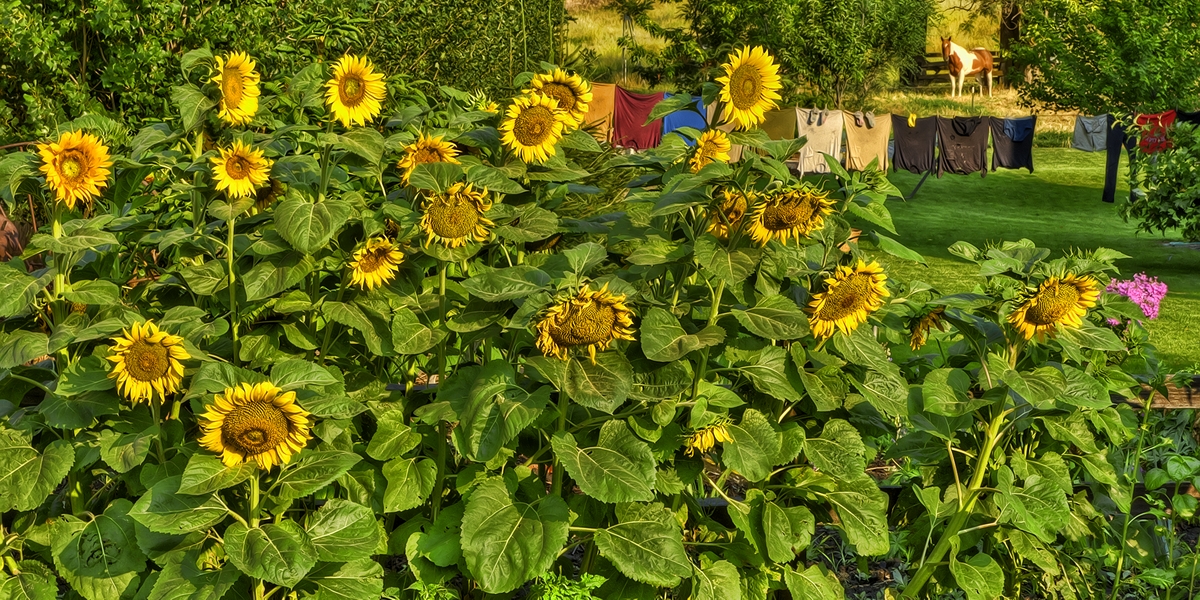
1103, 133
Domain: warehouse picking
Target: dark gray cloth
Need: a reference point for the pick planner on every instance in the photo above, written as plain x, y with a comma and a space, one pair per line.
1091, 133
914, 147
1183, 116
1012, 143
963, 145
1116, 142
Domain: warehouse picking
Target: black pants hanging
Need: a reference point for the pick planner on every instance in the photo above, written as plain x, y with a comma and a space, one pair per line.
1117, 141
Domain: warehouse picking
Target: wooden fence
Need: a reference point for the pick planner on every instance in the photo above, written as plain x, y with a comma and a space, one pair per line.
932, 69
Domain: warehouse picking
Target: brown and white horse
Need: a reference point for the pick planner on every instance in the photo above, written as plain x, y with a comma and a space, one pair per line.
963, 62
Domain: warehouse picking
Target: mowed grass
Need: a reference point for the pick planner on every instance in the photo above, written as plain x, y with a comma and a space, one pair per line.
1057, 207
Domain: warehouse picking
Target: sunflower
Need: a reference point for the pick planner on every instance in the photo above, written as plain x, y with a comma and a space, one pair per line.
713, 146
258, 422
375, 264
592, 319
146, 362
926, 323
851, 294
76, 167
750, 86
705, 439
729, 215
240, 169
455, 217
356, 92
532, 126
1058, 301
239, 88
572, 92
426, 149
267, 195
792, 212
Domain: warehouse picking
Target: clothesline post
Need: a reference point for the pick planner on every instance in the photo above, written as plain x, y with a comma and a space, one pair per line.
913, 194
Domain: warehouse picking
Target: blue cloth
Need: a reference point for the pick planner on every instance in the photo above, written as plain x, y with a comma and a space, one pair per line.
685, 118
1019, 130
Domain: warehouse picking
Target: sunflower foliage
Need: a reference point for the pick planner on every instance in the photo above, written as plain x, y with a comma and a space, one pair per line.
326, 335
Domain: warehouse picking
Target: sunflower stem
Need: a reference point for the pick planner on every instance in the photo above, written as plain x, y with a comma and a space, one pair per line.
60, 284
443, 431
233, 308
158, 447
713, 312
255, 502
556, 482
329, 324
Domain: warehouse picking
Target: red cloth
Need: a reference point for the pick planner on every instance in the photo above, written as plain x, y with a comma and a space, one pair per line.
630, 111
1154, 131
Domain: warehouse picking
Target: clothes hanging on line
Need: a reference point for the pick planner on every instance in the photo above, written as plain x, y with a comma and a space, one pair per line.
823, 128
599, 117
1184, 116
1012, 143
780, 124
866, 140
963, 145
685, 118
1117, 143
1091, 133
915, 144
1154, 137
630, 111
735, 150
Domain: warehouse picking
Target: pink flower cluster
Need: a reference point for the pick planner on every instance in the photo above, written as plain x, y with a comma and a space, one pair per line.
1145, 291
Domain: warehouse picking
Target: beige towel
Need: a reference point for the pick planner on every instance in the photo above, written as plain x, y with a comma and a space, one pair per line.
864, 144
598, 119
735, 150
823, 128
780, 124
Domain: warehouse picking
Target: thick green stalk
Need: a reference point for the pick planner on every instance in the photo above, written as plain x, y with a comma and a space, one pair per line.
158, 447
1137, 460
556, 469
233, 310
714, 310
439, 484
329, 324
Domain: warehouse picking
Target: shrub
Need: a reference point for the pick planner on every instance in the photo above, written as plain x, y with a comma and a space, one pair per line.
1170, 182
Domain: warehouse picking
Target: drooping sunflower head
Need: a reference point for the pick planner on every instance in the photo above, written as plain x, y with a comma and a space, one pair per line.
532, 126
267, 195
750, 86
572, 92
239, 88
147, 362
850, 296
1059, 301
922, 325
375, 264
355, 93
590, 320
76, 167
240, 169
792, 212
713, 146
728, 215
258, 422
706, 438
427, 149
455, 217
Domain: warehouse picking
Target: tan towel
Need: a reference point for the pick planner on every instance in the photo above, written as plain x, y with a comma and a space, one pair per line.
735, 150
598, 119
780, 124
864, 144
823, 128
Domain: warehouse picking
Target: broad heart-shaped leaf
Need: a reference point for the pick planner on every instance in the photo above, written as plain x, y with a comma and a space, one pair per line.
491, 408
192, 104
1037, 388
506, 543
100, 558
754, 446
646, 545
280, 553
839, 451
530, 224
945, 392
409, 483
731, 267
342, 531
664, 340
88, 374
21, 346
507, 284
979, 577
786, 530
96, 292
125, 451
409, 336
1039, 507
35, 582
206, 279
27, 476
436, 177
1091, 336
17, 288
308, 226
365, 142
619, 468
718, 581
813, 583
205, 473
276, 274
296, 373
314, 471
392, 437
862, 509
603, 386
897, 249
355, 580
162, 509
181, 579
768, 370
775, 318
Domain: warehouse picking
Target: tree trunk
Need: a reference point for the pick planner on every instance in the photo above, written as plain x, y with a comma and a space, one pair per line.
1010, 35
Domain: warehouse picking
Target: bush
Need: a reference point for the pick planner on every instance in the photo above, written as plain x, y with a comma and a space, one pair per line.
1170, 182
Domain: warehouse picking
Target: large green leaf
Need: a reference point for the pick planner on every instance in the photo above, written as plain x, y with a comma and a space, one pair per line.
355, 580
308, 226
410, 336
754, 446
646, 545
1039, 507
205, 473
295, 373
603, 386
839, 451
27, 476
392, 437
342, 531
731, 267
87, 374
280, 553
276, 274
768, 370
775, 318
491, 408
787, 530
162, 509
664, 340
314, 471
100, 557
813, 583
125, 451
979, 577
862, 509
717, 581
506, 543
182, 579
409, 483
619, 468
507, 284
946, 393
17, 288
22, 346
35, 582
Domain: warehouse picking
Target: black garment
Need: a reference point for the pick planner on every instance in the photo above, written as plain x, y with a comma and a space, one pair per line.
1012, 143
1117, 141
914, 146
1187, 117
963, 142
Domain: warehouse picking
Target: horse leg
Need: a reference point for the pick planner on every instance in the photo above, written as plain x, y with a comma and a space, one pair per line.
962, 76
952, 85
989, 78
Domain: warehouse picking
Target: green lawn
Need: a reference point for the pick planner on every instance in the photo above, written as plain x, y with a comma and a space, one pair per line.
1058, 207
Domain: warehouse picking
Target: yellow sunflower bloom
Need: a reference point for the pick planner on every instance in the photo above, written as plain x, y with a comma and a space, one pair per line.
729, 215
239, 88
850, 296
791, 213
356, 92
1058, 302
750, 86
455, 217
146, 362
925, 324
703, 440
258, 422
375, 264
427, 149
572, 92
713, 146
267, 195
533, 125
76, 167
240, 169
590, 320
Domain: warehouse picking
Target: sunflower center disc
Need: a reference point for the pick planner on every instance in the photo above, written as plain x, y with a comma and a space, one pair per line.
145, 361
533, 125
237, 167
427, 155
254, 428
71, 166
231, 86
847, 297
584, 325
371, 260
786, 215
744, 85
1052, 303
352, 90
453, 218
562, 93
